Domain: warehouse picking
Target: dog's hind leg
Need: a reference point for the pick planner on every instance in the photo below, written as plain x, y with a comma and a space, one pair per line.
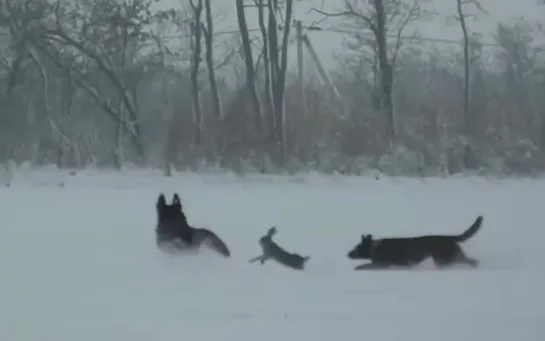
458, 258
471, 261
463, 259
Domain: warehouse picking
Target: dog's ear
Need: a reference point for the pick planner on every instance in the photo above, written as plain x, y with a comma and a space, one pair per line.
161, 201
365, 237
176, 200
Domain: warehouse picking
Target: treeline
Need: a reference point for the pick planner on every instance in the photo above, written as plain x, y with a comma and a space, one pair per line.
96, 82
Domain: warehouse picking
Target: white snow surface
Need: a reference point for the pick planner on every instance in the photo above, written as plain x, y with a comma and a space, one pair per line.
78, 259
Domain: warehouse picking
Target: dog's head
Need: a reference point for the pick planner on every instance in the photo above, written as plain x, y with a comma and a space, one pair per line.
170, 213
363, 249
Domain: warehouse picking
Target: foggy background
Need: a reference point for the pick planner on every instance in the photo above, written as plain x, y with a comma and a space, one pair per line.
418, 87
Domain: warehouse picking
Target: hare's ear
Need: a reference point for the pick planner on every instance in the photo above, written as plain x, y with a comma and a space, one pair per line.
161, 202
176, 200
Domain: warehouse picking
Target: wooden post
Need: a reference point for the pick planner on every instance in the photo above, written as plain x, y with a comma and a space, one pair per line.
323, 74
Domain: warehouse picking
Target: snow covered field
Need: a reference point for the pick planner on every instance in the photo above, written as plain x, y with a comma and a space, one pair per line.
79, 262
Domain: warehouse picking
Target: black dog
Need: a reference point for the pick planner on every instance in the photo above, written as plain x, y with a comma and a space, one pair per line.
408, 252
174, 233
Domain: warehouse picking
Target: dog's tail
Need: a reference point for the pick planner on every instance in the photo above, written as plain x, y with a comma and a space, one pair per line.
471, 231
213, 241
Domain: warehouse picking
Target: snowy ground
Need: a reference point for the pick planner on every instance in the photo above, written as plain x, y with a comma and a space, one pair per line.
79, 263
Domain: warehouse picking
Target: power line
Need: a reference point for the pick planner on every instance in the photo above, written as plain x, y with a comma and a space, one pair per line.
413, 38
220, 33
313, 28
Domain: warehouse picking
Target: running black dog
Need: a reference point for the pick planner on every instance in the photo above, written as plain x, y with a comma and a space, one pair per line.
173, 232
407, 252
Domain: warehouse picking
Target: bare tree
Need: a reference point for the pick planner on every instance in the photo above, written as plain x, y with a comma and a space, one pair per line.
278, 58
520, 62
249, 63
275, 53
468, 119
210, 62
196, 47
62, 139
384, 20
17, 20
13, 22
109, 29
386, 69
267, 93
208, 30
85, 83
